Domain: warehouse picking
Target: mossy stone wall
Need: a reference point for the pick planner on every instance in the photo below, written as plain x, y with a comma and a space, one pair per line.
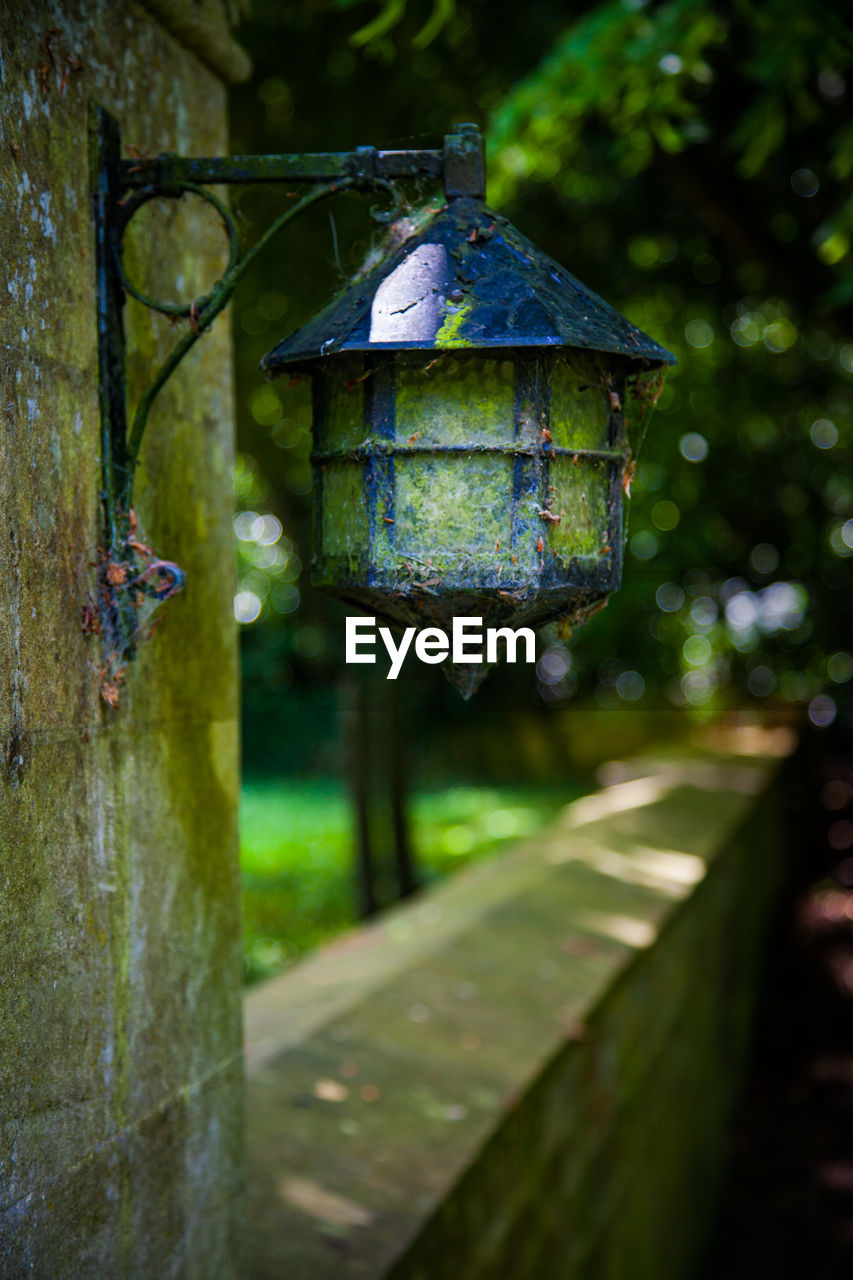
120, 1043
529, 1071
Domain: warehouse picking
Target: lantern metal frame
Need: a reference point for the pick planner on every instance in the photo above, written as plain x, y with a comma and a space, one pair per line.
366, 583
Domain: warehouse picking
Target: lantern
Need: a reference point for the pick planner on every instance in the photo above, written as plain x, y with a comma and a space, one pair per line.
469, 431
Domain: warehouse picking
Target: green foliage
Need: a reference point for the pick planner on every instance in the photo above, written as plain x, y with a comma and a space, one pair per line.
710, 140
638, 74
671, 77
297, 854
373, 35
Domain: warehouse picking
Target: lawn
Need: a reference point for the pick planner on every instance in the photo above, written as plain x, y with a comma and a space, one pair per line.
297, 853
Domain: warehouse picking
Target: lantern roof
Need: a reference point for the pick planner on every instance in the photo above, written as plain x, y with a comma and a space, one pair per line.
467, 278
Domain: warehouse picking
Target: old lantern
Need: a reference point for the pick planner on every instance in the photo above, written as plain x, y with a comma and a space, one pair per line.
469, 431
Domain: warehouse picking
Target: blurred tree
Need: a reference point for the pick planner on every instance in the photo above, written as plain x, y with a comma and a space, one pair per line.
711, 145
690, 161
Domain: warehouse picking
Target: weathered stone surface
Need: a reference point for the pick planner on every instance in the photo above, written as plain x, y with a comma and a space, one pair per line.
204, 27
120, 1069
529, 1072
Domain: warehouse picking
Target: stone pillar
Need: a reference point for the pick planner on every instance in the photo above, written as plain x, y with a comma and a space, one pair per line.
120, 1043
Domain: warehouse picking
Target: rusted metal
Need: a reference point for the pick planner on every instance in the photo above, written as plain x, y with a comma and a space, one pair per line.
464, 163
166, 169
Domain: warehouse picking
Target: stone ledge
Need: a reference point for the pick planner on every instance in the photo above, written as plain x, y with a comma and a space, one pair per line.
486, 1070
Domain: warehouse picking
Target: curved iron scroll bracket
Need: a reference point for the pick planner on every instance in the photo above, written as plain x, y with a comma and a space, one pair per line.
133, 581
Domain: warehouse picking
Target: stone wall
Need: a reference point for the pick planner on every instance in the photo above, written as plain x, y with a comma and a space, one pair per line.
120, 1061
529, 1071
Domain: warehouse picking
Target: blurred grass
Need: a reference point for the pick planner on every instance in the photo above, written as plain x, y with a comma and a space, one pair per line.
297, 853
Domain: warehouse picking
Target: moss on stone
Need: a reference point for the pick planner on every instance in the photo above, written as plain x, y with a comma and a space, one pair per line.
121, 947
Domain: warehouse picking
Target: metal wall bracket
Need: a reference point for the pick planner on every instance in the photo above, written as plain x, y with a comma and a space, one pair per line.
133, 580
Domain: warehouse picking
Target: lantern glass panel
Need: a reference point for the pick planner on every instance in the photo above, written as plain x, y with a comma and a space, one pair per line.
339, 422
579, 410
459, 400
344, 408
450, 510
580, 498
344, 528
580, 419
453, 509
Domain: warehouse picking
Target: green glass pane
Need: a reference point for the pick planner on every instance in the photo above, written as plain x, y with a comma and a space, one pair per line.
580, 500
579, 406
343, 426
455, 400
344, 525
453, 509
